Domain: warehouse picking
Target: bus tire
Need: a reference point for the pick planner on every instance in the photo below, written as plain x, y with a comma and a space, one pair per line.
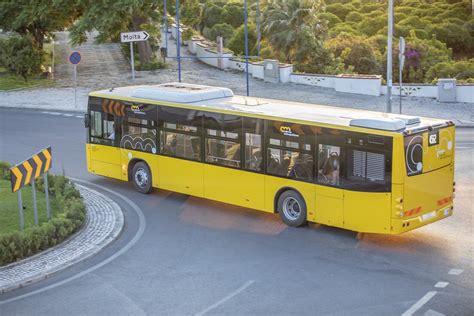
141, 177
292, 208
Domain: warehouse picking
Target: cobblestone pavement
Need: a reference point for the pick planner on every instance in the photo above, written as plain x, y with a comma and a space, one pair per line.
103, 224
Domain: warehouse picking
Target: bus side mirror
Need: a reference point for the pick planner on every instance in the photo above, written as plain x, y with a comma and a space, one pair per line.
87, 120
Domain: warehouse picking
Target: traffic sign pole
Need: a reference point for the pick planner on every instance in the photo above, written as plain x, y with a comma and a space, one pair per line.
20, 208
132, 60
75, 86
46, 194
130, 37
35, 206
74, 59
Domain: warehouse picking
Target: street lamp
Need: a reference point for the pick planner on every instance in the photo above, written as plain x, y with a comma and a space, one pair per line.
389, 56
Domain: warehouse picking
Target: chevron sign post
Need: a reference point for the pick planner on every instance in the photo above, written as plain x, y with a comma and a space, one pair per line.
27, 172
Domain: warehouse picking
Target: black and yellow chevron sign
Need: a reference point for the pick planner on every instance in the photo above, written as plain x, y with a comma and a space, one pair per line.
30, 169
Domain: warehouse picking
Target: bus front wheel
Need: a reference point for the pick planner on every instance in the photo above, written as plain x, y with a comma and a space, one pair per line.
292, 208
141, 177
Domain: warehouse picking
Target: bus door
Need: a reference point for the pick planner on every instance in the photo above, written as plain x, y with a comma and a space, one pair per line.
103, 152
329, 208
367, 182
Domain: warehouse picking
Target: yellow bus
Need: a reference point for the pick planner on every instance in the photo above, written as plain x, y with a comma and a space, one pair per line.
359, 170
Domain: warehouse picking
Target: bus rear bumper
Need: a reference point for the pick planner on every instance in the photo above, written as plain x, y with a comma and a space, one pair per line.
403, 225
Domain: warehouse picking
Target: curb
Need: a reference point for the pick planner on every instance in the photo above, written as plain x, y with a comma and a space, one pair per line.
86, 229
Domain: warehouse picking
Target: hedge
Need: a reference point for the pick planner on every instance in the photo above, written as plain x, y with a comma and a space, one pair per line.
18, 245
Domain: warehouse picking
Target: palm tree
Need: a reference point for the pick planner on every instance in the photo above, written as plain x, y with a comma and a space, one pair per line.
292, 27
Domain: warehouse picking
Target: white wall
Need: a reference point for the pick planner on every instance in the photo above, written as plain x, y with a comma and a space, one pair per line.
414, 90
285, 73
203, 51
313, 80
465, 93
256, 69
358, 84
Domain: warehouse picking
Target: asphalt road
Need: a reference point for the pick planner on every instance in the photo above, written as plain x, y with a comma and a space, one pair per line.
199, 257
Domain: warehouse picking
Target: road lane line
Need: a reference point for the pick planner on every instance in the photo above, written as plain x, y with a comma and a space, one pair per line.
225, 299
431, 312
130, 244
441, 284
422, 301
455, 271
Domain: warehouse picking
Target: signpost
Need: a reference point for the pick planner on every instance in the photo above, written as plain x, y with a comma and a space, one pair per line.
401, 59
27, 172
74, 59
130, 37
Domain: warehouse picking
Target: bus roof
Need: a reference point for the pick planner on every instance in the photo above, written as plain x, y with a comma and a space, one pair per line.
217, 99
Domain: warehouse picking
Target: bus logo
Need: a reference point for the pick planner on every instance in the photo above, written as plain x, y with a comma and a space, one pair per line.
433, 138
137, 109
286, 130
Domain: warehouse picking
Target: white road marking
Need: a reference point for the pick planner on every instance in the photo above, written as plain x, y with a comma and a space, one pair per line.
422, 301
130, 244
431, 312
54, 113
225, 299
68, 115
78, 116
441, 284
455, 271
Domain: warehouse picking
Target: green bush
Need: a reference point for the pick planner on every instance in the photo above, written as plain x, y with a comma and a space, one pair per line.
4, 170
20, 56
18, 245
462, 70
153, 65
331, 18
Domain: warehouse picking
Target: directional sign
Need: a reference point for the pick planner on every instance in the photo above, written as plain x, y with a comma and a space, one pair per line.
401, 51
30, 169
75, 58
139, 36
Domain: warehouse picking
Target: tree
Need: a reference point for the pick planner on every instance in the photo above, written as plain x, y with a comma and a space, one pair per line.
287, 22
341, 10
122, 16
212, 15
233, 14
37, 18
355, 51
237, 43
191, 13
21, 56
223, 29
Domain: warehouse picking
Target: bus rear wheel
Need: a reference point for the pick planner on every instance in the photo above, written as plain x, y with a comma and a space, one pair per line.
292, 208
141, 177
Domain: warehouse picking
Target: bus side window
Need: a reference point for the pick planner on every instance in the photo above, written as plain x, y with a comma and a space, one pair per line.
96, 124
253, 152
329, 169
102, 128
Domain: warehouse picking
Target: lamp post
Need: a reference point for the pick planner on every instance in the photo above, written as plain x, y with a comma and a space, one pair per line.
389, 56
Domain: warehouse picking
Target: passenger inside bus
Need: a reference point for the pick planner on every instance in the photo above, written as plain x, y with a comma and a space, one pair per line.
328, 164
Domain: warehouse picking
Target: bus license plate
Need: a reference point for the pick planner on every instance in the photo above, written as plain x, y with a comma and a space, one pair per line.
428, 216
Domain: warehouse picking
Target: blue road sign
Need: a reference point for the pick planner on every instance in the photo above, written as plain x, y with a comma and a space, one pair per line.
75, 58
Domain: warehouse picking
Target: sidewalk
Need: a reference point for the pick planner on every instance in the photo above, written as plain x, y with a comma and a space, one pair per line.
103, 224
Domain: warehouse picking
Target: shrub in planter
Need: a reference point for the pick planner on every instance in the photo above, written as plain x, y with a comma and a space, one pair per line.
18, 245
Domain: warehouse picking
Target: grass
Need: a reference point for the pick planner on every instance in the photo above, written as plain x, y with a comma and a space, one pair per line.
9, 82
9, 214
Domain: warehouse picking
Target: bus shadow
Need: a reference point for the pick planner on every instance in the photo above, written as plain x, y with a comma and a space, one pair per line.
414, 242
217, 215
